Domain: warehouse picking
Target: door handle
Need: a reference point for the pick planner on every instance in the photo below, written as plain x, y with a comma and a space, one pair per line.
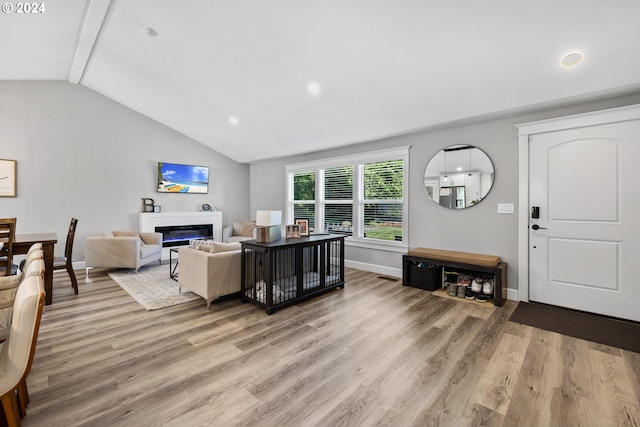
537, 227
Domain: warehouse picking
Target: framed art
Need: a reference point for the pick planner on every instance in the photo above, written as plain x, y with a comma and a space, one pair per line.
8, 178
303, 226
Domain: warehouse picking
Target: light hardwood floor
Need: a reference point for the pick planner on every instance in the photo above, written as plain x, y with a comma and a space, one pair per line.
374, 353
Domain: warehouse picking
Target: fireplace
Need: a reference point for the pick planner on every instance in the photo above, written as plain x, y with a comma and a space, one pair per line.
179, 235
150, 220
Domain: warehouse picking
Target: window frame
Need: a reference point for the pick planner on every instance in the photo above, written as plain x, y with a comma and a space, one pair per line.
291, 203
357, 161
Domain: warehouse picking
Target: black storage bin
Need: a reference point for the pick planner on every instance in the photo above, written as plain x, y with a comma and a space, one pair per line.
425, 276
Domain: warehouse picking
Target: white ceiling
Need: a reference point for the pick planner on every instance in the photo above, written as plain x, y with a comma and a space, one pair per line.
384, 67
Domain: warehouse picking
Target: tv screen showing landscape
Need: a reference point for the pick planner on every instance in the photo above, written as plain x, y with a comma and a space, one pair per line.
176, 178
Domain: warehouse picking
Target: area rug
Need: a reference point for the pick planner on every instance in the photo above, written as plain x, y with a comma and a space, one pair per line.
578, 324
152, 287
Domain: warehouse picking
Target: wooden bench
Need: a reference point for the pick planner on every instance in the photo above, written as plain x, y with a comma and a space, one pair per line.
461, 260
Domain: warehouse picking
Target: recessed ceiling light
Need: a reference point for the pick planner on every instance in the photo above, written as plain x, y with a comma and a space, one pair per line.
233, 121
151, 32
571, 59
313, 89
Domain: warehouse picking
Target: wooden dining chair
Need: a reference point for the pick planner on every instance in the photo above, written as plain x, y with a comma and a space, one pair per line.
64, 262
7, 236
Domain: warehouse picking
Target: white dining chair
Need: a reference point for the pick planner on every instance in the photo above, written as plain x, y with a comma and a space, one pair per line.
16, 354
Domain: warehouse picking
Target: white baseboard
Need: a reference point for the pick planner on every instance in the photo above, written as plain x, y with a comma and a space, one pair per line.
79, 265
512, 294
387, 271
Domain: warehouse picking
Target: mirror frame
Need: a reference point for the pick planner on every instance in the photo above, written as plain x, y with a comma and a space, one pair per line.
448, 164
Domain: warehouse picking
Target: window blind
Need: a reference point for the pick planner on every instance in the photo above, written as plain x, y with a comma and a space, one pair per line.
383, 200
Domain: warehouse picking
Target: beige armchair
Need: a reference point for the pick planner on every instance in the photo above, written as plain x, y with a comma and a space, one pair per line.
123, 250
239, 231
211, 273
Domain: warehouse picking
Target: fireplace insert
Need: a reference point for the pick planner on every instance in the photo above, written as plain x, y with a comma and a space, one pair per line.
179, 235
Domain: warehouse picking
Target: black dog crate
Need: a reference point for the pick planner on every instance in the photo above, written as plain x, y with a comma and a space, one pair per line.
424, 276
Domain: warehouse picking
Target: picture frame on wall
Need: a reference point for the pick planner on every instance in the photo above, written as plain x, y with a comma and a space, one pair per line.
8, 178
303, 226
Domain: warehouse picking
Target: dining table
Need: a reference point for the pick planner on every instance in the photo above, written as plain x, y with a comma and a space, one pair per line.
21, 245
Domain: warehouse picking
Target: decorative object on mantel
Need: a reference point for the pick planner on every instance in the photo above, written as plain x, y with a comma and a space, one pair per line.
268, 227
152, 287
8, 178
147, 204
206, 207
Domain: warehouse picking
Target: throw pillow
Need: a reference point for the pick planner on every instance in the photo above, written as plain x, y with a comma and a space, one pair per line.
205, 248
247, 228
236, 228
225, 247
10, 282
128, 233
8, 288
131, 233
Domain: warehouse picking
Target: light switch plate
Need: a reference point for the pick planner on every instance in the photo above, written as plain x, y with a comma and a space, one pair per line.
505, 208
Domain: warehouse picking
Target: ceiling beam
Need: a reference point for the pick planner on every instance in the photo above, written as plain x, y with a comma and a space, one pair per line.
94, 16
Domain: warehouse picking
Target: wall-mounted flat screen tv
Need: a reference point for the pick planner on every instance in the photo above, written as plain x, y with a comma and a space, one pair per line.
176, 178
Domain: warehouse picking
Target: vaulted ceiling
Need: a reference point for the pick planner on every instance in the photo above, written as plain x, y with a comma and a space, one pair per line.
257, 79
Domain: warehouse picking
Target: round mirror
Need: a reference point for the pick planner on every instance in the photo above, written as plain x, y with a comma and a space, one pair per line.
458, 176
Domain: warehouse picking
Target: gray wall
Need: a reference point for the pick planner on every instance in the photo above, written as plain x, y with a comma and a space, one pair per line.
478, 229
83, 155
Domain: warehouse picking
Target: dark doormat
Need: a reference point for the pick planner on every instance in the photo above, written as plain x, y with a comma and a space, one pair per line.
578, 324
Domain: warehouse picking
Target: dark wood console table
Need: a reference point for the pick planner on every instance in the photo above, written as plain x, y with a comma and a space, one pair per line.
460, 260
284, 272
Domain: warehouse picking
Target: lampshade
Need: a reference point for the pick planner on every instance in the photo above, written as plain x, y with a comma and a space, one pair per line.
268, 218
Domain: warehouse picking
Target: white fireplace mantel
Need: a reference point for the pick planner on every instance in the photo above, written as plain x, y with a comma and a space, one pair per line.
150, 220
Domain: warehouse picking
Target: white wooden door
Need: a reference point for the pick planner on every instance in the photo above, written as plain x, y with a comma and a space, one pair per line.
586, 253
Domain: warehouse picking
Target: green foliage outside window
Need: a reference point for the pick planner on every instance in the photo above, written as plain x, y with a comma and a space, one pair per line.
304, 186
383, 180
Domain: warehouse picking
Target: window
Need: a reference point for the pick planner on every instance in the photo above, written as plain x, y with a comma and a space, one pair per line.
338, 200
304, 197
362, 197
382, 202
